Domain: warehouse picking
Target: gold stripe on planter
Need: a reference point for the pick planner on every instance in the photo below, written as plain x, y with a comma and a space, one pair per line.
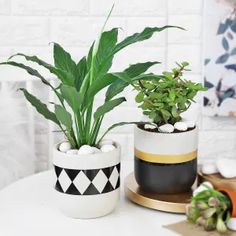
165, 158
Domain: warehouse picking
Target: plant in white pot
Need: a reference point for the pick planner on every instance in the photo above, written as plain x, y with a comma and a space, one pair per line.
166, 156
87, 168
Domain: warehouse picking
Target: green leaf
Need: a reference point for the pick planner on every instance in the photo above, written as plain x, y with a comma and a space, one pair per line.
98, 85
63, 116
72, 97
115, 88
40, 107
144, 35
81, 73
29, 70
102, 60
174, 112
108, 106
139, 68
65, 76
139, 97
63, 60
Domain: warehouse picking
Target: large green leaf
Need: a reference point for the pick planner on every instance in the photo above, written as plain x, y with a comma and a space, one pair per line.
139, 68
28, 69
144, 35
63, 60
108, 106
81, 73
63, 116
98, 85
40, 107
132, 73
101, 62
65, 76
72, 97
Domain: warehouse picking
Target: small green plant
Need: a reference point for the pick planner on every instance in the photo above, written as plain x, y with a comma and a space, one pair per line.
210, 209
164, 98
79, 83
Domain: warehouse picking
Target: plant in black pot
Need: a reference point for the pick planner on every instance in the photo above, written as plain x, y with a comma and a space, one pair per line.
87, 167
166, 156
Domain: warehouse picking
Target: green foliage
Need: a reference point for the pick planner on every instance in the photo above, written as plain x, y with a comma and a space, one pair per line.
210, 209
165, 97
80, 82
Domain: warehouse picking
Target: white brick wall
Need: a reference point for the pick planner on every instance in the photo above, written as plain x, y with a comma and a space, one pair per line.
28, 26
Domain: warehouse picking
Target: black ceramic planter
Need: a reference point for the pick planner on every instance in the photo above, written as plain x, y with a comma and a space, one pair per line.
165, 163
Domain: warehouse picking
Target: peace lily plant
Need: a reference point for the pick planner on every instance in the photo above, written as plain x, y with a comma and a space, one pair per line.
80, 82
87, 183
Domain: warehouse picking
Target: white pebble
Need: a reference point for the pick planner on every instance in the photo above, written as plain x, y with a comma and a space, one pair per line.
107, 148
64, 146
167, 128
85, 150
72, 151
209, 168
147, 126
181, 126
231, 224
106, 142
202, 187
190, 123
226, 167
96, 150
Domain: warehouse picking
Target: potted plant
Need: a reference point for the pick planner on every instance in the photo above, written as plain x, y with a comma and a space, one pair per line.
166, 156
87, 167
213, 209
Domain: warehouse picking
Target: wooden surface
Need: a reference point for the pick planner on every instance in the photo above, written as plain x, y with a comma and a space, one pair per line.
218, 181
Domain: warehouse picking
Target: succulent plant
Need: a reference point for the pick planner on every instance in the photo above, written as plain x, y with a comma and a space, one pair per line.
164, 98
210, 209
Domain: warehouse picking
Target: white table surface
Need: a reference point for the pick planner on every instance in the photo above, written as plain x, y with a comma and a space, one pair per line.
27, 209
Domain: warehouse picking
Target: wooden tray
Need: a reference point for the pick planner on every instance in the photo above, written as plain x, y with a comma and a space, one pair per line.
218, 181
174, 203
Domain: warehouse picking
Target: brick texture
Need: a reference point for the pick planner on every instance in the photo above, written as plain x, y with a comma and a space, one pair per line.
29, 25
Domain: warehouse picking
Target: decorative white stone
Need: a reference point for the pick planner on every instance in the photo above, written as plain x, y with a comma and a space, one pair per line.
107, 148
209, 168
96, 150
231, 224
181, 126
166, 128
85, 150
64, 147
106, 142
190, 123
202, 187
226, 167
72, 151
147, 126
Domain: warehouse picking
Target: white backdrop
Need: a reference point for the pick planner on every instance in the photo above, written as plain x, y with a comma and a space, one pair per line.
29, 25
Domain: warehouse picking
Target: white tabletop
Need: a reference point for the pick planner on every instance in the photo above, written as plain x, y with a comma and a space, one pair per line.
27, 209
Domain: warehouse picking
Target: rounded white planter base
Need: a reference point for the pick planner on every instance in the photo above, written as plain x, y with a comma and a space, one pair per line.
87, 186
87, 207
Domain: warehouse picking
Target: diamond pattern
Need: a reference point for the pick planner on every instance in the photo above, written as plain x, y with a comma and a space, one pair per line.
114, 177
81, 182
87, 182
100, 181
64, 180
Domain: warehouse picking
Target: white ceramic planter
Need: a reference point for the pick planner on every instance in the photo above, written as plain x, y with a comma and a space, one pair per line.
165, 162
87, 186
